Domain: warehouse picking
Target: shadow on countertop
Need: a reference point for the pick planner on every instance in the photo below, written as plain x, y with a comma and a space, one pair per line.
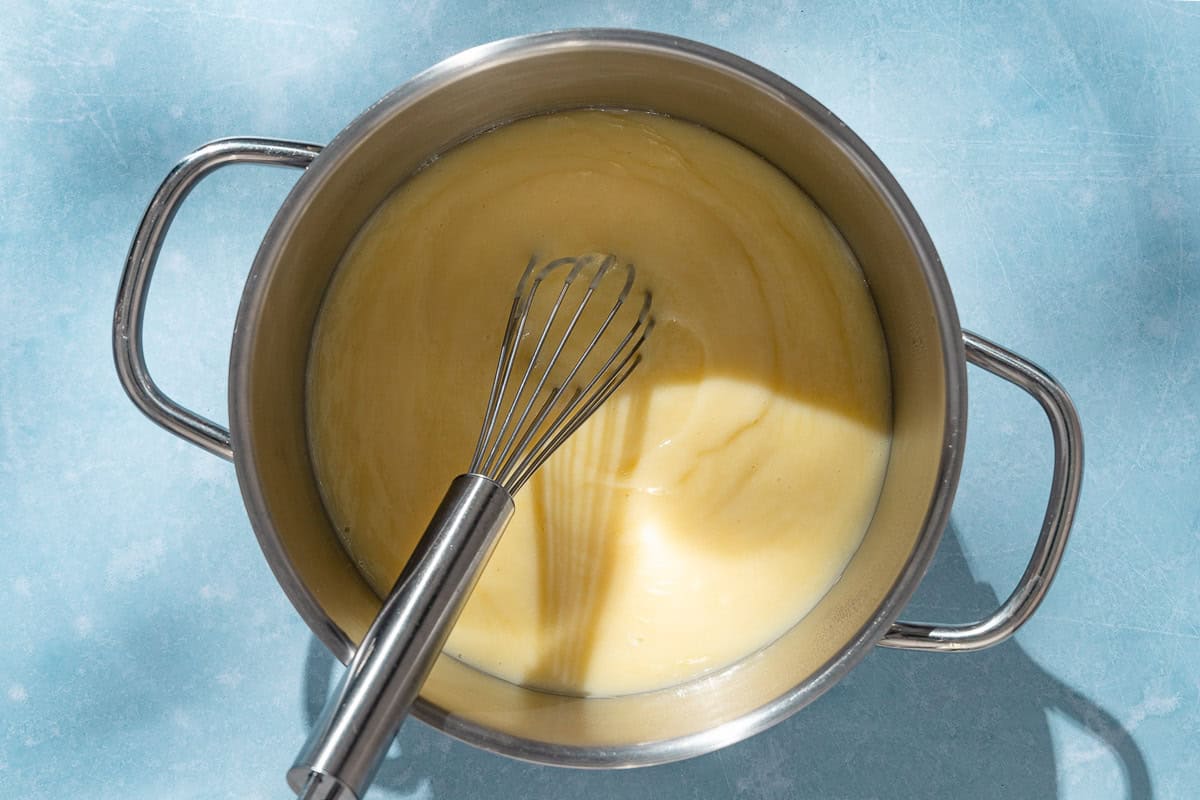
901, 724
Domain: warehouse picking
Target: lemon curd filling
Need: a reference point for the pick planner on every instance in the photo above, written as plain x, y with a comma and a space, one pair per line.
707, 506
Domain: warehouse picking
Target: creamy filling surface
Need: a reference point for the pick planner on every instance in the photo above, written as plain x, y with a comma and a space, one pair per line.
712, 502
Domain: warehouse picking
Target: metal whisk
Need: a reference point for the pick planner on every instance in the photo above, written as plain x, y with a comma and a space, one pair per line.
522, 428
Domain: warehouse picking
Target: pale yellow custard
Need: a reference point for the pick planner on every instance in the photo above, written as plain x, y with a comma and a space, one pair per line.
711, 503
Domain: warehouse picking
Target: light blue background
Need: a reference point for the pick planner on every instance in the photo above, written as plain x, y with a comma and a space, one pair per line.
1053, 149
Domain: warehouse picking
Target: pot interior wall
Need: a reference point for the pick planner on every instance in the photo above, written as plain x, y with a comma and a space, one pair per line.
486, 88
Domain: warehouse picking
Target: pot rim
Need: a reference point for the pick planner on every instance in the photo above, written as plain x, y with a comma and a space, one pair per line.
954, 364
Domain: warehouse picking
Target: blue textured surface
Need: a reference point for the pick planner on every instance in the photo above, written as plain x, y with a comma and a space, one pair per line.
1053, 149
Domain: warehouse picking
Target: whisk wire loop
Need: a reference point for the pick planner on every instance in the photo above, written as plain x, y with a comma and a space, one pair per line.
523, 310
516, 439
536, 458
604, 382
503, 363
511, 454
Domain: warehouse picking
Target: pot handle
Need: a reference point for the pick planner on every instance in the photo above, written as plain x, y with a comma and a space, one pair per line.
139, 268
1048, 551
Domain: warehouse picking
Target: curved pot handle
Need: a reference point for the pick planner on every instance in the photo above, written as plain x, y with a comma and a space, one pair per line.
139, 268
1064, 496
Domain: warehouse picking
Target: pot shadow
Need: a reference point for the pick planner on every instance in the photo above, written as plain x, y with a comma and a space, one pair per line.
900, 724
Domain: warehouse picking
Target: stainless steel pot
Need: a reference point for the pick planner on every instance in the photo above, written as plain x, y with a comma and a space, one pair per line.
490, 85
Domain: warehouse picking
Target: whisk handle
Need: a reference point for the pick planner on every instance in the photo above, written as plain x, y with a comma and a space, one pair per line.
352, 736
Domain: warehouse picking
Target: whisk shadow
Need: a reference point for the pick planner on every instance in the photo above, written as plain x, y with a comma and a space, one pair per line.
900, 725
575, 551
